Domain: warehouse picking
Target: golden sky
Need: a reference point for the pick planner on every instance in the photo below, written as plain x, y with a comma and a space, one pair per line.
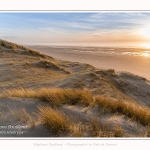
77, 28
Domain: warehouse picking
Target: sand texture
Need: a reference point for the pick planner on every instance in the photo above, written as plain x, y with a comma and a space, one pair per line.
41, 96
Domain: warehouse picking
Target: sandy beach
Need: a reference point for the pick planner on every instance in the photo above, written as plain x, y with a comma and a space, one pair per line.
120, 59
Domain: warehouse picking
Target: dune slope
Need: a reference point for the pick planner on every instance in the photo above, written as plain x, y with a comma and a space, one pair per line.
39, 92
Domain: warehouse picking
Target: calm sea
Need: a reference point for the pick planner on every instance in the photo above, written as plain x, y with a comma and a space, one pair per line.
133, 60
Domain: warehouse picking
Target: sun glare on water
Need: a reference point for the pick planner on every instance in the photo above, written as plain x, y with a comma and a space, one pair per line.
145, 33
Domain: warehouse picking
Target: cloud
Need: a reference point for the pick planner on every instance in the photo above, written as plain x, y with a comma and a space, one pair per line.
73, 27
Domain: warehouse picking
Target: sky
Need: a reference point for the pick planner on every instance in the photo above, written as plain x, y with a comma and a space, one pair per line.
76, 28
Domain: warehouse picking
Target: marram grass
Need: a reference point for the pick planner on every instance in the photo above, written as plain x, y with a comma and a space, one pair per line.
55, 96
133, 110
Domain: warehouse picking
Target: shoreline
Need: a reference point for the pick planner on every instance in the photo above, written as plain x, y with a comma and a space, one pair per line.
120, 63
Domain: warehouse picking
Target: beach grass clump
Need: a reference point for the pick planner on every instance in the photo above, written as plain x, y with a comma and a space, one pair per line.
53, 65
54, 119
14, 47
76, 130
32, 52
111, 71
50, 64
97, 129
106, 72
8, 45
22, 115
133, 110
55, 96
58, 122
118, 132
147, 134
94, 128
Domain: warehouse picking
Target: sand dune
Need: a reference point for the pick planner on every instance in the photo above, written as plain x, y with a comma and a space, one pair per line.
91, 100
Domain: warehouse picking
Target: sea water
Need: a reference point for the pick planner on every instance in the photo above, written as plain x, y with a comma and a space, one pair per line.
133, 60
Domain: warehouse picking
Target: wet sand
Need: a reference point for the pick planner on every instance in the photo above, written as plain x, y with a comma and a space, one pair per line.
138, 65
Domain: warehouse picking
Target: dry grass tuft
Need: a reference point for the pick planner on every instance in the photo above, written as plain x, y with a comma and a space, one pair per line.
133, 110
148, 131
55, 97
53, 65
107, 72
118, 132
21, 114
14, 47
111, 71
3, 114
102, 130
32, 52
76, 130
54, 119
8, 45
58, 122
94, 128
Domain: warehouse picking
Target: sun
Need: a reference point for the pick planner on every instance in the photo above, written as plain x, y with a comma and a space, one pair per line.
145, 32
146, 45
